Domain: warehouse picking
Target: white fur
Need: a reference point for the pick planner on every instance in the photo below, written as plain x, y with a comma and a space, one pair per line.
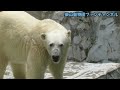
21, 45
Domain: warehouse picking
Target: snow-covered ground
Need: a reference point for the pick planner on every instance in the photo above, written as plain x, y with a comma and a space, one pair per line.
75, 70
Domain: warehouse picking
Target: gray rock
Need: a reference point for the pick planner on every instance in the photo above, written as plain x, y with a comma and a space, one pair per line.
59, 15
73, 21
76, 40
107, 45
102, 27
70, 53
67, 26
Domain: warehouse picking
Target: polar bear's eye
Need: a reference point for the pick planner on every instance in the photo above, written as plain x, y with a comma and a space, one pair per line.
51, 45
61, 45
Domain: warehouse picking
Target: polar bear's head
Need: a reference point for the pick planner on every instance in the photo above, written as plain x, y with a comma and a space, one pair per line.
56, 43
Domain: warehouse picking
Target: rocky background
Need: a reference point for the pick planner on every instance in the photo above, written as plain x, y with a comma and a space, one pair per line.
95, 42
94, 39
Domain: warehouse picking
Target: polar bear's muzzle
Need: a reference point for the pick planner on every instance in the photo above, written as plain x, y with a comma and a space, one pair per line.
55, 58
55, 55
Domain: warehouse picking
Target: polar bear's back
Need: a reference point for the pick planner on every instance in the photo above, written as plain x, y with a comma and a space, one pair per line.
17, 15
15, 26
17, 18
14, 33
16, 23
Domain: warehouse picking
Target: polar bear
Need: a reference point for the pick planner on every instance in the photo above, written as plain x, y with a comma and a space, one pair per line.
30, 45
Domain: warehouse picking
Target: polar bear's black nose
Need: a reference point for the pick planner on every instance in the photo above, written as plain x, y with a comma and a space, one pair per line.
55, 58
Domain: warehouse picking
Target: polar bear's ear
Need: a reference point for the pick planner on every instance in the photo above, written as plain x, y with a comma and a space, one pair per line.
43, 36
69, 33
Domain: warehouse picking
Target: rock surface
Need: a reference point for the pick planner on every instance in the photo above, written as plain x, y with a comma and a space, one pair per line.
75, 70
